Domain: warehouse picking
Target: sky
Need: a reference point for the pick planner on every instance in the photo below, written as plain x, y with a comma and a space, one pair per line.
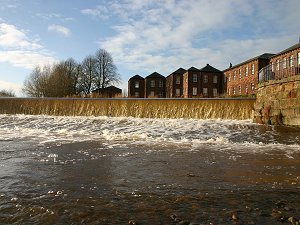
142, 36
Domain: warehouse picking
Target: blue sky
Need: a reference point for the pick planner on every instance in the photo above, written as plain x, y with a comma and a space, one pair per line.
143, 36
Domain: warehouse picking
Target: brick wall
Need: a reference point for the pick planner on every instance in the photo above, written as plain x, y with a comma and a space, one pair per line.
136, 88
243, 79
155, 87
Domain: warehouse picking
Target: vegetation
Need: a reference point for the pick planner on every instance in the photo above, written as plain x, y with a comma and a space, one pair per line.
69, 78
5, 93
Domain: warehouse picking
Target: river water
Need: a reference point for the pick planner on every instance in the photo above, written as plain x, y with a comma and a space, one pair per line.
102, 170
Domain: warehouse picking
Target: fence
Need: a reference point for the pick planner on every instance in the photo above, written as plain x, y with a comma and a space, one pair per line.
279, 70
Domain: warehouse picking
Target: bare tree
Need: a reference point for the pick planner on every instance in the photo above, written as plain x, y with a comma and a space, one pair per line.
73, 72
106, 70
36, 85
6, 93
88, 74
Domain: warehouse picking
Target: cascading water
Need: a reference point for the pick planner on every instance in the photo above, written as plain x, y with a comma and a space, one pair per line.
239, 109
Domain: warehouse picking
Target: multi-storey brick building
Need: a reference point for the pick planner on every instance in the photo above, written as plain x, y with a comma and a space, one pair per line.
174, 84
155, 86
206, 82
242, 79
284, 64
136, 87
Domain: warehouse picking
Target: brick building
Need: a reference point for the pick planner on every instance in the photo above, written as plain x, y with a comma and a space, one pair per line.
284, 64
108, 92
242, 79
174, 84
206, 82
136, 87
155, 86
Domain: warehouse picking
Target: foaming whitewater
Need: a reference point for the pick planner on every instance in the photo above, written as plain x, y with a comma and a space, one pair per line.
121, 170
221, 134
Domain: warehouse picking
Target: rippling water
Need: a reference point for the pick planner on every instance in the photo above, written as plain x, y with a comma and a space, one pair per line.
101, 170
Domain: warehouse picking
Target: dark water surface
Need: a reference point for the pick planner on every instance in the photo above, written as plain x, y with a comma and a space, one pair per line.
99, 170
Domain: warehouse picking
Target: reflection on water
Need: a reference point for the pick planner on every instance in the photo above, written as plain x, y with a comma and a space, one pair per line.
86, 170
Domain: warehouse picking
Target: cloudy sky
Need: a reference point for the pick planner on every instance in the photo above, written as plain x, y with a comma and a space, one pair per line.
143, 36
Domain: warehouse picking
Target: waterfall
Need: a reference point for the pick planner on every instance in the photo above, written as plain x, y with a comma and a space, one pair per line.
225, 108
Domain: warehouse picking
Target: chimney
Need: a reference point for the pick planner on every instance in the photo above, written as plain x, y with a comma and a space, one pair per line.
230, 65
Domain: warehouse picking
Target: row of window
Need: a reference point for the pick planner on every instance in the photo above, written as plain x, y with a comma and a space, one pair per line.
238, 90
205, 91
284, 63
151, 94
246, 70
152, 84
205, 78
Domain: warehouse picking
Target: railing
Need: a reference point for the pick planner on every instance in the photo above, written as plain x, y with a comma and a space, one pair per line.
279, 70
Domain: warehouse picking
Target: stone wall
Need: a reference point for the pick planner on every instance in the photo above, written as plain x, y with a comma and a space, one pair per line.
278, 102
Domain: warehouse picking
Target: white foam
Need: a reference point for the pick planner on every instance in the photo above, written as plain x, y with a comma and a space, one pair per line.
224, 135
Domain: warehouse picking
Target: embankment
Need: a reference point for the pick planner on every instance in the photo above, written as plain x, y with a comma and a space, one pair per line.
237, 109
278, 102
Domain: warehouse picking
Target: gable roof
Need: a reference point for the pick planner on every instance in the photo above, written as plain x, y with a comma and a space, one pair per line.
137, 77
209, 68
193, 69
289, 49
263, 56
155, 75
180, 71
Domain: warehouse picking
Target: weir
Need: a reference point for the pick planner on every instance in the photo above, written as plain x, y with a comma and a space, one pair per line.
217, 108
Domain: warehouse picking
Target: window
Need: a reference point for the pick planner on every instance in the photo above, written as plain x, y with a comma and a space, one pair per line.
272, 67
247, 70
233, 91
151, 93
205, 79
284, 63
136, 84
240, 89
215, 79
215, 92
178, 92
152, 83
160, 84
161, 94
291, 61
246, 88
194, 91
178, 80
298, 58
136, 94
195, 78
234, 76
205, 92
277, 64
228, 91
240, 73
229, 77
252, 87
253, 69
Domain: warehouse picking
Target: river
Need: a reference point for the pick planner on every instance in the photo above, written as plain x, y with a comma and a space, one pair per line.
121, 170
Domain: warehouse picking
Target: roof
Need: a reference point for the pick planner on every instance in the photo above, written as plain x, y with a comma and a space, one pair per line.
193, 69
179, 71
155, 75
111, 88
263, 56
288, 49
209, 68
137, 77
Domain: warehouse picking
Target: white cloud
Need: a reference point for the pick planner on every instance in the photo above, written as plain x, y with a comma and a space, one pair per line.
60, 30
19, 50
164, 35
100, 12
